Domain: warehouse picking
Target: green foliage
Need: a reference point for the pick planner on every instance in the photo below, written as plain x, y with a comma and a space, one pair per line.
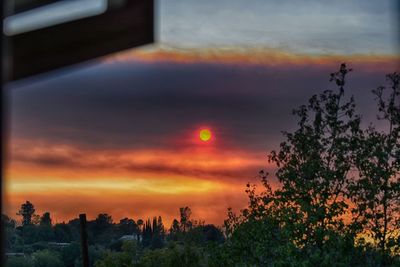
376, 193
314, 163
63, 233
127, 226
47, 258
302, 222
45, 220
174, 255
126, 258
71, 254
185, 222
114, 259
19, 262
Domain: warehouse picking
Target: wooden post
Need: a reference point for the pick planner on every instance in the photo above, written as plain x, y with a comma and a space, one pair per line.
84, 242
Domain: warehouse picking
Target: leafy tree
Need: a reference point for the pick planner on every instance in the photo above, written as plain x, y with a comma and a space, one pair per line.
114, 259
127, 226
74, 226
45, 230
29, 234
158, 233
147, 233
102, 222
202, 235
47, 258
174, 230
101, 229
8, 222
19, 262
27, 211
9, 231
62, 232
314, 163
173, 256
185, 221
376, 192
126, 258
71, 254
45, 220
301, 223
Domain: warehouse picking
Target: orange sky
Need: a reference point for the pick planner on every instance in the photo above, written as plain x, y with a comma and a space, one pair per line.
254, 56
130, 183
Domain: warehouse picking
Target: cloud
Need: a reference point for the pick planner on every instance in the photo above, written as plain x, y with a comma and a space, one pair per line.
130, 125
201, 163
310, 26
158, 104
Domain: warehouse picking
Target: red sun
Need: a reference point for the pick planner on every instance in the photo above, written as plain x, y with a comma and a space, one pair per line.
205, 135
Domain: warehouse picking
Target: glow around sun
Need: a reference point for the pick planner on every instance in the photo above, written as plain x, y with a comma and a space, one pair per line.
205, 135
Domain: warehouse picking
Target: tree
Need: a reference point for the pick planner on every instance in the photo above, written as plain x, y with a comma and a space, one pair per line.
45, 230
62, 232
101, 230
71, 254
158, 233
174, 230
147, 234
140, 228
140, 224
314, 163
45, 220
185, 221
27, 210
9, 231
301, 223
126, 258
19, 262
103, 221
376, 192
47, 258
127, 226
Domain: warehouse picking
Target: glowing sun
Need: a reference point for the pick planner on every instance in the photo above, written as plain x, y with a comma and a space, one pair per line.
205, 135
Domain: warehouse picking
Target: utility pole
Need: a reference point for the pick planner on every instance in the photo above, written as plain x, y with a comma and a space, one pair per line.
84, 242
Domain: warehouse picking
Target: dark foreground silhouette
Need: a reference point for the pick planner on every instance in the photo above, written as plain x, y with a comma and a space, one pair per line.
338, 204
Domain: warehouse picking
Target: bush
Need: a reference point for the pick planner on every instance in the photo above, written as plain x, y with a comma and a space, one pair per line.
47, 258
19, 262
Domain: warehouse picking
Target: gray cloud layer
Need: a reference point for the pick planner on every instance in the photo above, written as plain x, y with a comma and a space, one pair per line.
154, 105
309, 26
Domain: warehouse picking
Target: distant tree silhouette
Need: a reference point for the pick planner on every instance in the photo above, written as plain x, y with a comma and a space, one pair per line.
174, 230
185, 222
140, 224
158, 232
27, 211
45, 220
127, 226
45, 230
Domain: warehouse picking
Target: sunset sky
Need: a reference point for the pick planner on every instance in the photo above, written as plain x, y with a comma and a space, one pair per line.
121, 135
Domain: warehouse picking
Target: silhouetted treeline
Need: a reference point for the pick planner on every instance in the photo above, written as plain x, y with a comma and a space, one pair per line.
36, 241
337, 204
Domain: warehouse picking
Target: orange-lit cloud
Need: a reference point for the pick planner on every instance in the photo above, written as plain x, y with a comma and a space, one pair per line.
92, 181
255, 56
